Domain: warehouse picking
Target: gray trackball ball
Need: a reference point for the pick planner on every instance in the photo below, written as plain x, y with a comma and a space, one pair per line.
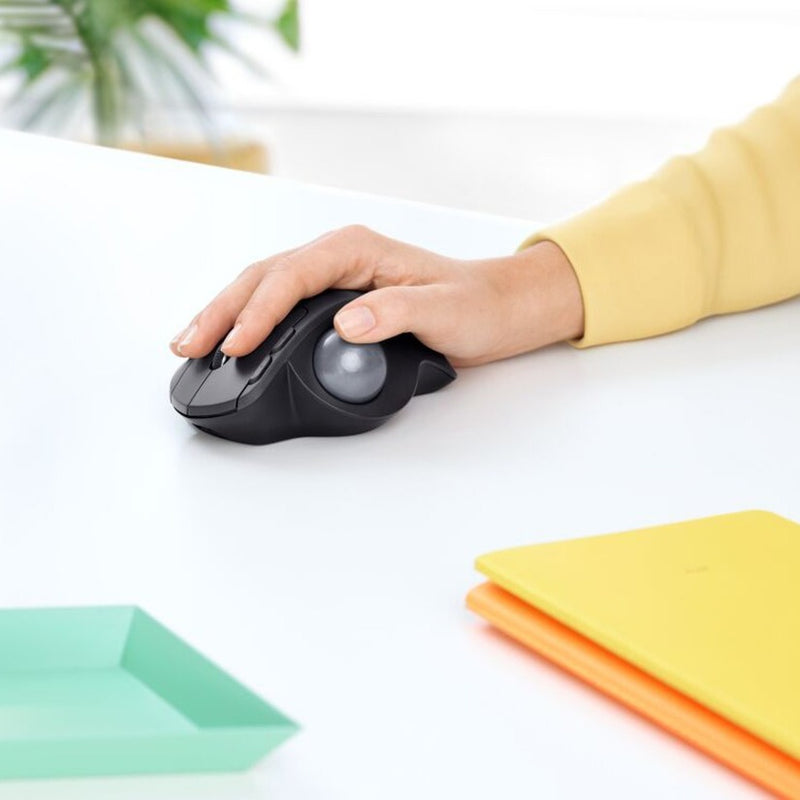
354, 373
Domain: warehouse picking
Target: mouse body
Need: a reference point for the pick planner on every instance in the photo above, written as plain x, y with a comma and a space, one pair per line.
304, 380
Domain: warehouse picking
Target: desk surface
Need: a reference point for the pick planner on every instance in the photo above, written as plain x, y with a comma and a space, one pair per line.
329, 574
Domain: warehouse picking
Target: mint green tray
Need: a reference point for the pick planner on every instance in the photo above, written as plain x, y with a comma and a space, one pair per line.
109, 691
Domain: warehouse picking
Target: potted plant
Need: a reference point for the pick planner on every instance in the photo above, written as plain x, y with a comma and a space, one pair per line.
120, 60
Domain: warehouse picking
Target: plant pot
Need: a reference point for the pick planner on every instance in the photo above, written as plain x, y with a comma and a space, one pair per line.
249, 156
224, 140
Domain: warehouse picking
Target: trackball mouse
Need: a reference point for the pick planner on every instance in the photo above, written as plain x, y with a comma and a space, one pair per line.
304, 380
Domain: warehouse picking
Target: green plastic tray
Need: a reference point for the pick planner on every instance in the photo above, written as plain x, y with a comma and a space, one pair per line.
109, 691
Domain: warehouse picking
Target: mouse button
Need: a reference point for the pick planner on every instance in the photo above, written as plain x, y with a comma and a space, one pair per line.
249, 394
254, 389
257, 361
193, 374
260, 370
283, 340
295, 315
178, 375
219, 392
254, 364
265, 348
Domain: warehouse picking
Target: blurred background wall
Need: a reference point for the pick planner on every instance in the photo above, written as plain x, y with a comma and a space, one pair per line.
531, 108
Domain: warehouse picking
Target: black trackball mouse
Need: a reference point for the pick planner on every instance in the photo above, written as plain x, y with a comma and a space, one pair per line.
304, 380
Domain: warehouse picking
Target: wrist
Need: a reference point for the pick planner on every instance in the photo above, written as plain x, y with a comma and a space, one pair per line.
544, 297
561, 292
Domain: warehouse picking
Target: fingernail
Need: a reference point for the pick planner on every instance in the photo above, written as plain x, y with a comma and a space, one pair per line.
229, 339
177, 336
355, 321
187, 339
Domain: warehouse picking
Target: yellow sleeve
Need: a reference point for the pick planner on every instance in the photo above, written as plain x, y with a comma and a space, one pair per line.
710, 233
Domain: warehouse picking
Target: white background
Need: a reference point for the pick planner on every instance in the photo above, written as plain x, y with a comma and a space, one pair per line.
529, 108
330, 574
701, 58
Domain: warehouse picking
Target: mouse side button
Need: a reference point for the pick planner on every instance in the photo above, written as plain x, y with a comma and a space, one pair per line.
283, 340
295, 315
261, 369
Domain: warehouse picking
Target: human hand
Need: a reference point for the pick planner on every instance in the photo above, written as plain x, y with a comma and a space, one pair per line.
471, 311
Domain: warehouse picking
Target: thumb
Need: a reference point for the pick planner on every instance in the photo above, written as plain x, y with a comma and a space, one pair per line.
427, 311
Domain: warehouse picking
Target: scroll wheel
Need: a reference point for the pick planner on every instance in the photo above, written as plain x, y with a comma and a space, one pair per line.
218, 359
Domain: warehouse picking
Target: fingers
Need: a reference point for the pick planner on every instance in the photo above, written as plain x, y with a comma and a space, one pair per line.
350, 258
345, 259
430, 312
217, 318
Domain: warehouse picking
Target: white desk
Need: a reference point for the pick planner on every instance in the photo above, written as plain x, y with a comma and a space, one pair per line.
330, 574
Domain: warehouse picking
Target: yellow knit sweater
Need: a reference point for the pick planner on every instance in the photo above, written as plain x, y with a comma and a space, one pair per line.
711, 233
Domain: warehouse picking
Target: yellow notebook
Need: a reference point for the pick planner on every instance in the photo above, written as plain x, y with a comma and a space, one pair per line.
709, 607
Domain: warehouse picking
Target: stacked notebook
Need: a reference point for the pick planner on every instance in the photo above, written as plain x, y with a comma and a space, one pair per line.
694, 625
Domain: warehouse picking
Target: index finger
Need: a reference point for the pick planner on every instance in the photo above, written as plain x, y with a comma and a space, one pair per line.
344, 259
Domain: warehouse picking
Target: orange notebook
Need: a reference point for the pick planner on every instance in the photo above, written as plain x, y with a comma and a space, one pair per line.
673, 711
745, 569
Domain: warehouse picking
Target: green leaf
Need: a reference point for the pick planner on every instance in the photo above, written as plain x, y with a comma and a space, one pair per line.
33, 61
288, 25
188, 19
81, 40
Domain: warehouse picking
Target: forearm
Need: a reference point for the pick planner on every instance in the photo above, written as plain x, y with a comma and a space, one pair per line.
710, 233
